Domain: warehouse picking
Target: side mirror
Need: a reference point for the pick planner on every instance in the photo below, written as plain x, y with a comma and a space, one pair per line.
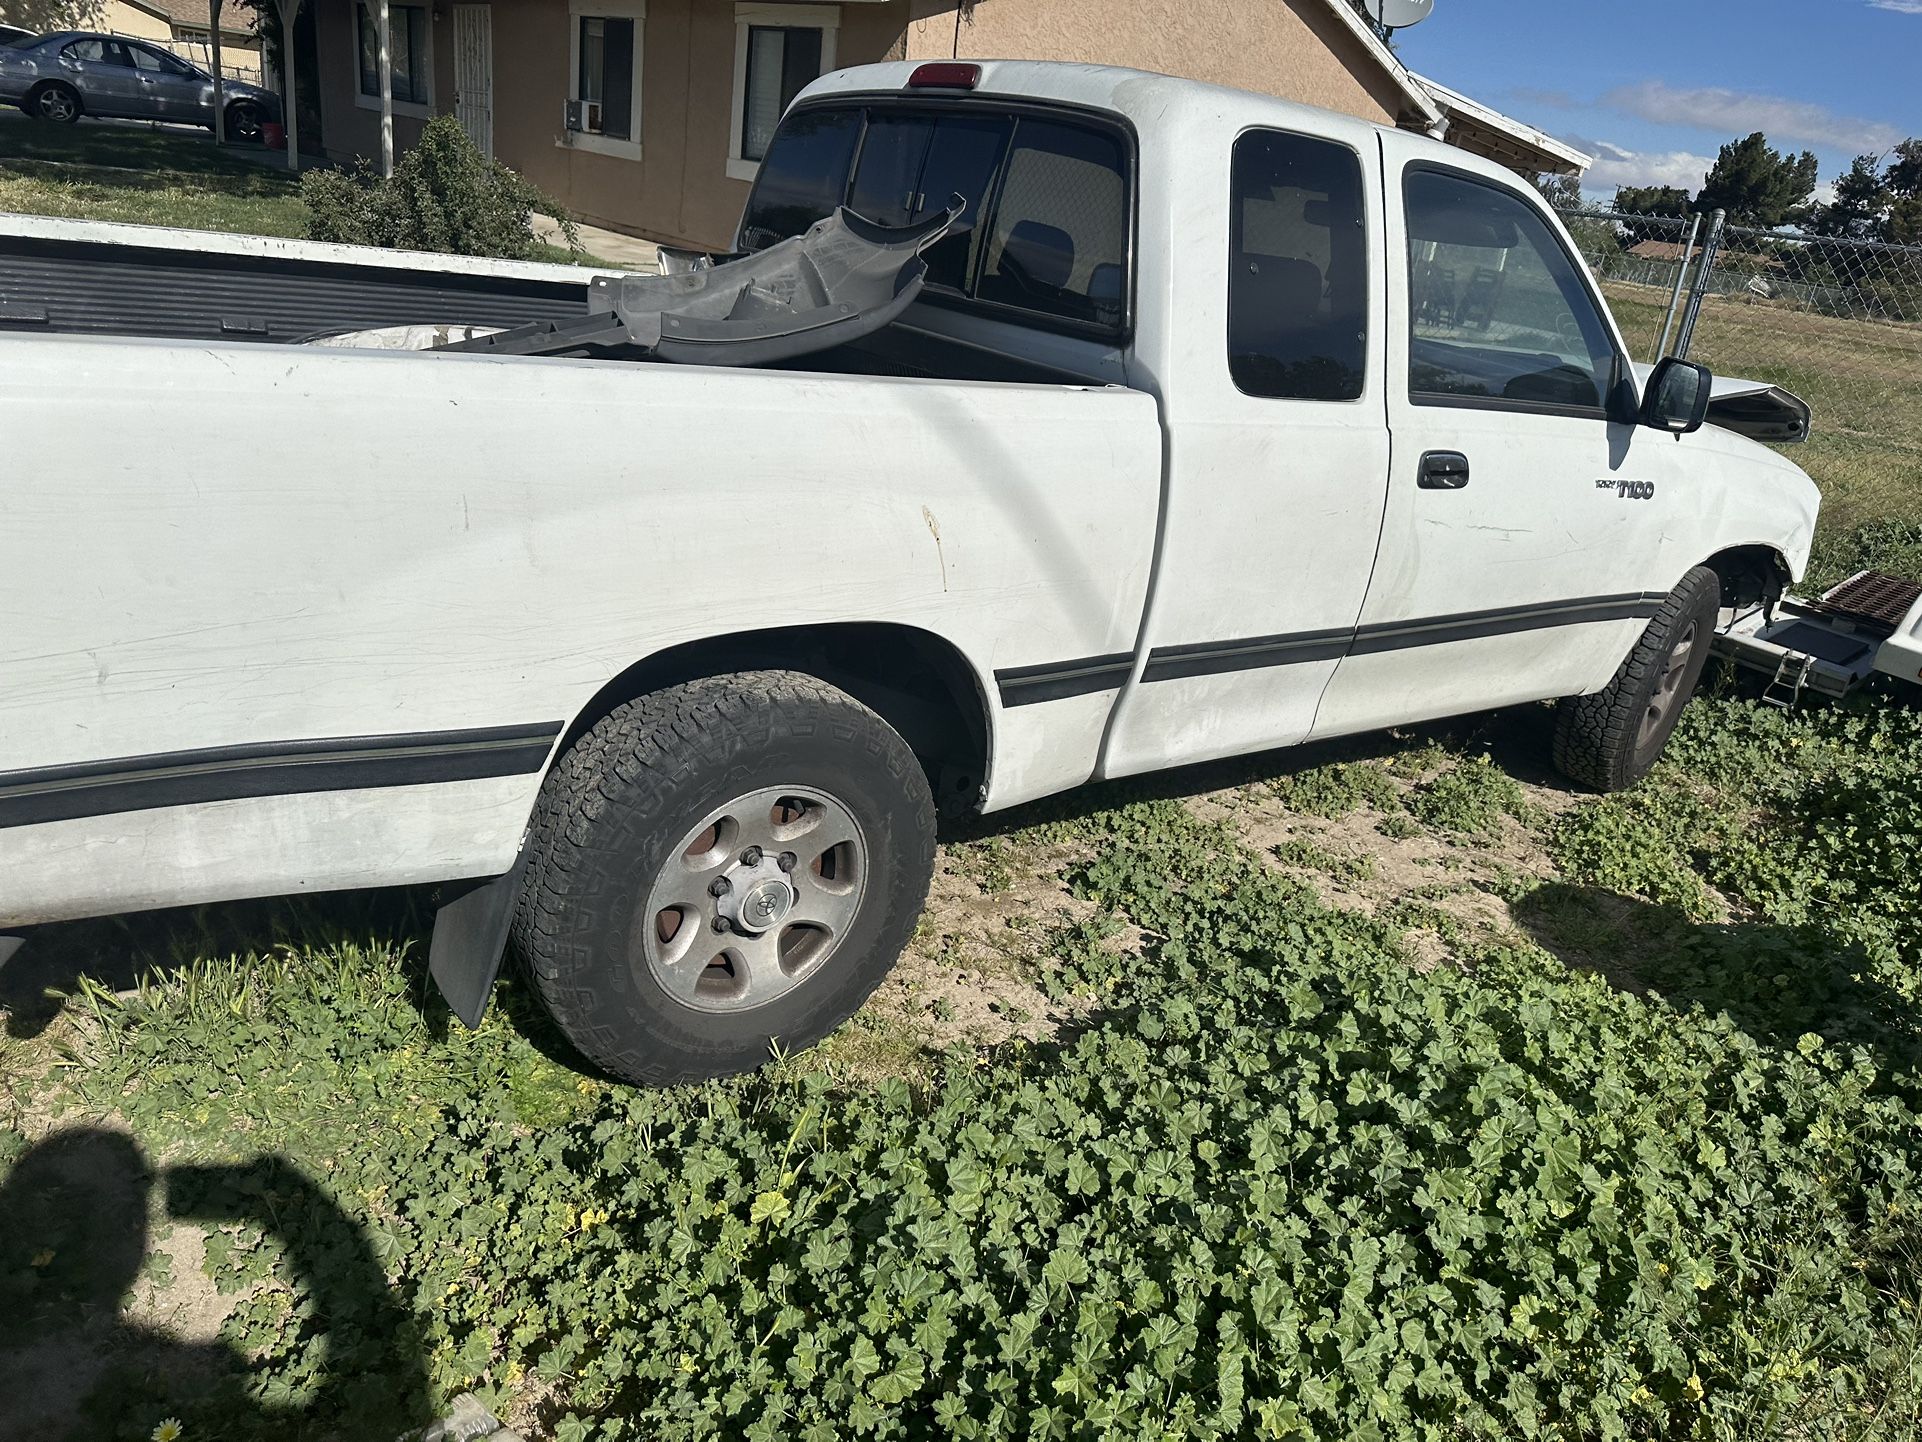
1677, 397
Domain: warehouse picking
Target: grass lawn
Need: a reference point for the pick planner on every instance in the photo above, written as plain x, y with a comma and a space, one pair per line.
1864, 383
156, 177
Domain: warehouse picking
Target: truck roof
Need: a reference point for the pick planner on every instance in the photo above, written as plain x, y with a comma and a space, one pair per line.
1152, 101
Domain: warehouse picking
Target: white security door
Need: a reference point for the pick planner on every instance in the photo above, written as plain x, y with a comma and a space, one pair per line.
474, 73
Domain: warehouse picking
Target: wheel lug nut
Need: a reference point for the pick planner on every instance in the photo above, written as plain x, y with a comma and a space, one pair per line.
751, 857
723, 925
788, 861
721, 887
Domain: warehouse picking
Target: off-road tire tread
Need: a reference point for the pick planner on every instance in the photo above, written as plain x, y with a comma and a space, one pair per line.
1595, 735
638, 756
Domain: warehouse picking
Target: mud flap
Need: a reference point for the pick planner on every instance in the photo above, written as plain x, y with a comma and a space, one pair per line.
470, 940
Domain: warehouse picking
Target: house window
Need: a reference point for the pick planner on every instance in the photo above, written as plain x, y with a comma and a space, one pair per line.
604, 92
411, 59
778, 51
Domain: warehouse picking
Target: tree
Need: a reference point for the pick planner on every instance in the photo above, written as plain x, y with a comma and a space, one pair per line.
1662, 200
1564, 192
1880, 198
1861, 202
1757, 185
1659, 202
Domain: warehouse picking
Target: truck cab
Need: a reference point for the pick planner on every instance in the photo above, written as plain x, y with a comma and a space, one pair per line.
1407, 473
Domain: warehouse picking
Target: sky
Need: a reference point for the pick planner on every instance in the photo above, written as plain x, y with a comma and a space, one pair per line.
1653, 88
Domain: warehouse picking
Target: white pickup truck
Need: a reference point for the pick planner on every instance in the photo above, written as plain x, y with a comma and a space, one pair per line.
1220, 424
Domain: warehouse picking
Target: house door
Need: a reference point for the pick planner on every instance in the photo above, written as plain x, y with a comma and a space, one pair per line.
474, 73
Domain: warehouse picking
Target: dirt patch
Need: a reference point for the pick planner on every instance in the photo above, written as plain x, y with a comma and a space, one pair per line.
970, 975
1445, 889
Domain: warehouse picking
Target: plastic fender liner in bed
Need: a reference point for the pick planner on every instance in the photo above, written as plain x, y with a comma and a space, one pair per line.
844, 279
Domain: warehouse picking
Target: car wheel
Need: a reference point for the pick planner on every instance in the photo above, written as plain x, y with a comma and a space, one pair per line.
56, 102
243, 122
1612, 739
722, 868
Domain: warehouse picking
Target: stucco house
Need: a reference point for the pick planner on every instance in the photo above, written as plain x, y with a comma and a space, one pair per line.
186, 28
650, 116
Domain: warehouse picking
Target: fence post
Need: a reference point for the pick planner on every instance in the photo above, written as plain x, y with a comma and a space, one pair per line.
1710, 249
1681, 277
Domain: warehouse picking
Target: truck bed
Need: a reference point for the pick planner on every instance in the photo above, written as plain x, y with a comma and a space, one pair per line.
86, 277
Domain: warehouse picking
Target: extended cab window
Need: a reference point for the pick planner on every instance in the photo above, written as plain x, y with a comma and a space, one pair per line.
1045, 223
1497, 310
1298, 269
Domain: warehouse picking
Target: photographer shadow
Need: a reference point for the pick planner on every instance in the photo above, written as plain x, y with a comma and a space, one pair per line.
1777, 983
74, 1222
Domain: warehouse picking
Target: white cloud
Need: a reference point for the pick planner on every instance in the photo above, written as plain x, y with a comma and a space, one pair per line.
1900, 7
1739, 113
1616, 165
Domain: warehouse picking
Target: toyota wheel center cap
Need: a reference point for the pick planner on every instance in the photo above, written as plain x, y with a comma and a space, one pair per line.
765, 904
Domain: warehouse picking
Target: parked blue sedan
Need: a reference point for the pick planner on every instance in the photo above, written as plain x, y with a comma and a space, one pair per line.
71, 73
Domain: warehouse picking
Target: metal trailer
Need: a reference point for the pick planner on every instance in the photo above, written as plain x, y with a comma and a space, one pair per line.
1869, 626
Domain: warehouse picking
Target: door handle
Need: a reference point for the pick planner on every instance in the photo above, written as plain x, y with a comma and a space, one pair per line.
1443, 471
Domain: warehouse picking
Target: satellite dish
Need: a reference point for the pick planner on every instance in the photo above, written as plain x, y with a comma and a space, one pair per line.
1400, 14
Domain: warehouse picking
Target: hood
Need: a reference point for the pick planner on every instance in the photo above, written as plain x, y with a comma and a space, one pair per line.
1760, 410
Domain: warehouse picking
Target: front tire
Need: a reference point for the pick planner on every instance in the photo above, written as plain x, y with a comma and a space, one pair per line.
243, 122
721, 868
1612, 739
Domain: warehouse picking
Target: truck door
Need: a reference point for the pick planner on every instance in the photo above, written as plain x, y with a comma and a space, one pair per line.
1522, 549
1277, 451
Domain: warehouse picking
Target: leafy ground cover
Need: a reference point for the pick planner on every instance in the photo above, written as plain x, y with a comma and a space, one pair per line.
1397, 1096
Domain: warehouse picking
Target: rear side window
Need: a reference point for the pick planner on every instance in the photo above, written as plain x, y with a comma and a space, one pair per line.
1045, 204
1058, 244
1298, 269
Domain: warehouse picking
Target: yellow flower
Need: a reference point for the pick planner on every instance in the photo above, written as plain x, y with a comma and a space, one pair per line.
167, 1431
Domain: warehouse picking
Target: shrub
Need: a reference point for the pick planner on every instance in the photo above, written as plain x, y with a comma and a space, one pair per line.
444, 195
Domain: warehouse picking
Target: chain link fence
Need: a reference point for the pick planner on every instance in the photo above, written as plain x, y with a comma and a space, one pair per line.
1837, 321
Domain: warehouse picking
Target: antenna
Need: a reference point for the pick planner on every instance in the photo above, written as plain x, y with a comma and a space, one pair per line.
1400, 14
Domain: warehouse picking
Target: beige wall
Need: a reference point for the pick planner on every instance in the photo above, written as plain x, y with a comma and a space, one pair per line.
236, 53
126, 20
1291, 48
679, 190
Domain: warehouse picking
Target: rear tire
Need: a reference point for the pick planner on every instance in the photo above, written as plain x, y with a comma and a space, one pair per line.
1612, 739
667, 936
54, 101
